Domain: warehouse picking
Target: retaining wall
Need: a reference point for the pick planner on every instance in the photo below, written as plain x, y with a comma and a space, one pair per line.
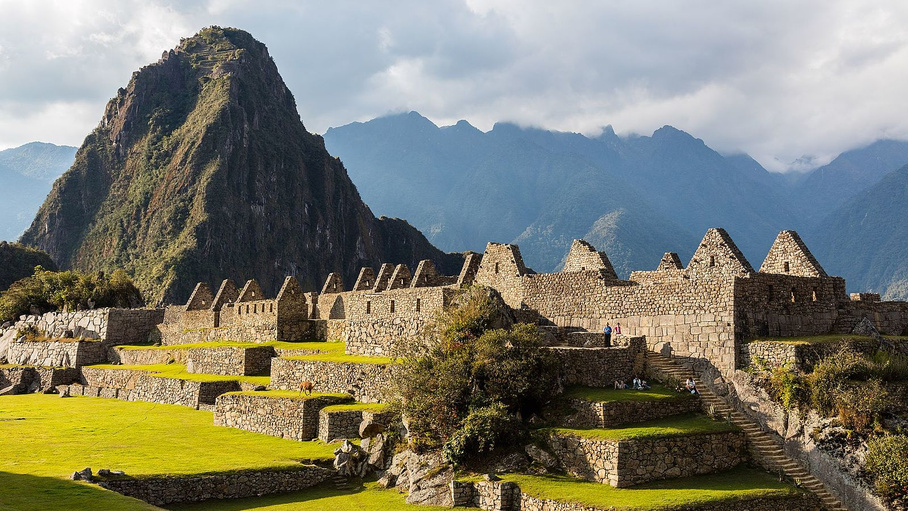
589, 414
160, 491
284, 417
600, 367
367, 383
71, 353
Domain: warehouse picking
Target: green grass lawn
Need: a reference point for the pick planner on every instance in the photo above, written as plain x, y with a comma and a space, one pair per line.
609, 395
367, 498
329, 347
44, 439
341, 358
292, 394
362, 407
179, 371
814, 339
687, 424
737, 484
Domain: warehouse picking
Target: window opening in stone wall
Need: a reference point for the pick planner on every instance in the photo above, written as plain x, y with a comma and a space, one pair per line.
368, 307
496, 267
712, 261
417, 304
769, 293
255, 308
814, 294
392, 306
247, 309
792, 295
271, 307
401, 282
786, 267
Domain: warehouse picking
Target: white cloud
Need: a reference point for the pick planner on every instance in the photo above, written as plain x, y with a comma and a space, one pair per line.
776, 79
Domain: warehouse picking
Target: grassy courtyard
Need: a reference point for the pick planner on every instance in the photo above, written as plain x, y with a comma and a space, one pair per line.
611, 395
679, 425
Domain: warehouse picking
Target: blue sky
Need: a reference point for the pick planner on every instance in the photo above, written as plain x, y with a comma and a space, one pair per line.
779, 80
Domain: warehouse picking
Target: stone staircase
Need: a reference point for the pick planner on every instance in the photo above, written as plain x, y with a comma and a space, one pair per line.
762, 445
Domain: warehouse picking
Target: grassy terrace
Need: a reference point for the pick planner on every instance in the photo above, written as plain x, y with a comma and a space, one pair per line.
179, 371
824, 339
681, 425
607, 395
341, 358
330, 347
360, 407
291, 394
737, 484
44, 439
369, 497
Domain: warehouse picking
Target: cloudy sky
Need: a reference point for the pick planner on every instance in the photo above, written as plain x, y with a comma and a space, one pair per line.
779, 80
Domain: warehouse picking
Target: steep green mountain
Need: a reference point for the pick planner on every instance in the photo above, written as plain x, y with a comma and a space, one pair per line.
202, 170
826, 188
463, 188
29, 170
867, 238
18, 261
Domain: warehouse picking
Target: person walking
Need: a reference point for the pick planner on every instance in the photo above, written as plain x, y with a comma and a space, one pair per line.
618, 329
608, 334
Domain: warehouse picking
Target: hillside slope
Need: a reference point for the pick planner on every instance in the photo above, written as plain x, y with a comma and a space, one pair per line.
202, 170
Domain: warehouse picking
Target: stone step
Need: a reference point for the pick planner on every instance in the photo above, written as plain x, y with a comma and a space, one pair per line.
753, 431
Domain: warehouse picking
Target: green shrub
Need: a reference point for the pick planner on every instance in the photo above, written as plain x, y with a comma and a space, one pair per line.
481, 431
787, 387
830, 378
47, 291
472, 380
862, 404
890, 366
886, 460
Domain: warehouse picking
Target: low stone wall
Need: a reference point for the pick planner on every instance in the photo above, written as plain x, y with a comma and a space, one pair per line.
173, 334
156, 389
72, 353
629, 462
148, 356
284, 417
600, 367
297, 352
590, 414
799, 503
228, 360
331, 330
113, 326
496, 495
338, 424
802, 356
25, 380
160, 491
381, 337
367, 383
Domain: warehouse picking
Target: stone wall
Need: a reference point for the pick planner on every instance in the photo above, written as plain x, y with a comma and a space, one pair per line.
784, 305
147, 356
589, 414
143, 386
368, 383
377, 323
113, 326
338, 424
598, 367
228, 360
69, 353
802, 356
629, 462
160, 491
284, 417
24, 380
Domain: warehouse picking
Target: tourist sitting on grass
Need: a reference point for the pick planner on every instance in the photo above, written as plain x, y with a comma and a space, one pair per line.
620, 385
691, 386
640, 384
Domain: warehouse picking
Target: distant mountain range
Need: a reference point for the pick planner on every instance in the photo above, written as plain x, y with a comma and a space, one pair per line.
26, 175
634, 197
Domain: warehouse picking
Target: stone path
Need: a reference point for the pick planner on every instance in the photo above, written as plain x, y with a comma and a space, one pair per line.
761, 443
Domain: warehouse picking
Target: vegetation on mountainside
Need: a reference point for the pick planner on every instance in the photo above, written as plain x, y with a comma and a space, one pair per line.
475, 386
887, 459
18, 261
46, 291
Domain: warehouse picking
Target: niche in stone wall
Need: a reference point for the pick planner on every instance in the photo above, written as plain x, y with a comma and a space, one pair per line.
786, 267
418, 301
392, 306
368, 306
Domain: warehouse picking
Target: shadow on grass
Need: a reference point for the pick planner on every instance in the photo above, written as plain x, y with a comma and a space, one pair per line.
23, 492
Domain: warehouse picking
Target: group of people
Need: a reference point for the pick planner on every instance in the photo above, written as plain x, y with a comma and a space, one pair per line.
608, 331
689, 386
637, 383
